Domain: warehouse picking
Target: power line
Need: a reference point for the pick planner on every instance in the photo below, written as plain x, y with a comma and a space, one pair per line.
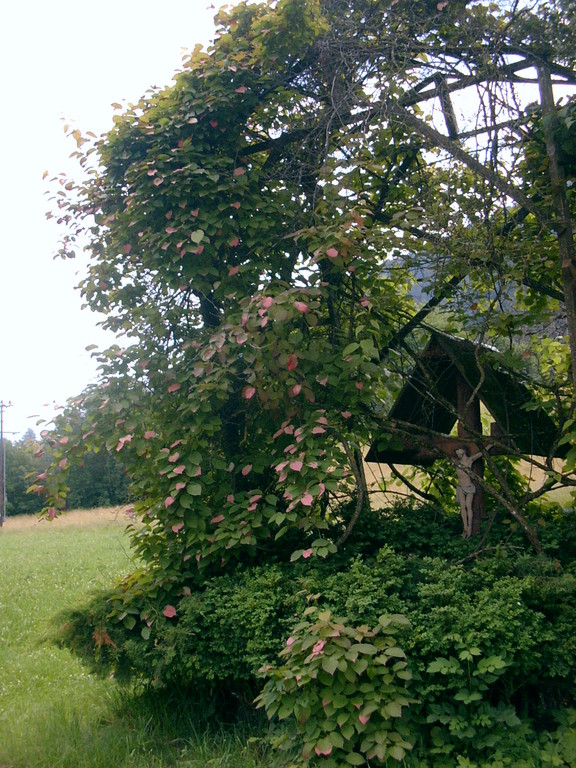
3, 498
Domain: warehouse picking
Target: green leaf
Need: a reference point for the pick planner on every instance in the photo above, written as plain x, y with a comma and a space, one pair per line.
392, 709
397, 752
348, 350
329, 664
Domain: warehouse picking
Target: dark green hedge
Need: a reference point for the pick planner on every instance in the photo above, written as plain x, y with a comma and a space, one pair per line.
490, 646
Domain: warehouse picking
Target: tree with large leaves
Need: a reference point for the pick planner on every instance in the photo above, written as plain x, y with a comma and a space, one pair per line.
255, 232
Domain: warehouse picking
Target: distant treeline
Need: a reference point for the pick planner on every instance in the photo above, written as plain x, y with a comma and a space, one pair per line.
99, 482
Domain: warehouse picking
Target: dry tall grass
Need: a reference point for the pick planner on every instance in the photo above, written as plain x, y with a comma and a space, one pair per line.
76, 517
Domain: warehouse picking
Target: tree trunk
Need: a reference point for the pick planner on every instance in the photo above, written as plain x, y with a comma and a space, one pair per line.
564, 228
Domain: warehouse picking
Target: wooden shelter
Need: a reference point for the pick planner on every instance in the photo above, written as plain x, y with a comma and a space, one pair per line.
450, 381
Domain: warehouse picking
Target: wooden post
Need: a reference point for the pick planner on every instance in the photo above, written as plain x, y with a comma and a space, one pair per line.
469, 427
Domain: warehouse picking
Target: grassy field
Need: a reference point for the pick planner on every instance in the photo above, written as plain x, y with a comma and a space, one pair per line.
53, 714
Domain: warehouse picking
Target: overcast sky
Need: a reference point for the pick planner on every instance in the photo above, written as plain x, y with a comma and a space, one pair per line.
65, 61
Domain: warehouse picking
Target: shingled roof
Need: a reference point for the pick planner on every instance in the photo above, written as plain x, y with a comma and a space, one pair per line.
428, 403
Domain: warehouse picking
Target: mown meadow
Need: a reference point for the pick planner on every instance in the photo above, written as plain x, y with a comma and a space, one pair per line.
53, 713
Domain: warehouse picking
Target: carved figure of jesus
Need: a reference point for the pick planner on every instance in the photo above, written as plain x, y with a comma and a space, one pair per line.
465, 489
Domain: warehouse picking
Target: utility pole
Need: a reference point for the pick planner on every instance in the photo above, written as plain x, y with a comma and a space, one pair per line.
3, 405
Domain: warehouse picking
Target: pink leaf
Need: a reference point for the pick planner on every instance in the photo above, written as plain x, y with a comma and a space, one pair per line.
170, 230
239, 171
318, 430
319, 646
359, 385
179, 470
241, 89
169, 612
307, 553
177, 527
123, 441
307, 500
331, 253
363, 719
296, 466
301, 306
235, 205
346, 414
233, 271
296, 389
249, 392
217, 519
174, 387
149, 435
267, 302
173, 458
292, 362
180, 486
247, 469
168, 501
234, 242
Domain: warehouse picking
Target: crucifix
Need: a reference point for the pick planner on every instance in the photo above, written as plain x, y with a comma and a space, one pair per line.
467, 458
449, 382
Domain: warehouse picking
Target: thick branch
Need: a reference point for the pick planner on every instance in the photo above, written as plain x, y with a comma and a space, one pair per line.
437, 139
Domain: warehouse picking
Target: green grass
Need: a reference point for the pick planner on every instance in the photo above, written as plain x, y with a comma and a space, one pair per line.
53, 713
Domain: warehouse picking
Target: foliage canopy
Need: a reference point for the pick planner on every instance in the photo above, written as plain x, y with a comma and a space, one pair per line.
255, 233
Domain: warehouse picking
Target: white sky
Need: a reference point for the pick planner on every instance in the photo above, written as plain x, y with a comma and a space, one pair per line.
65, 61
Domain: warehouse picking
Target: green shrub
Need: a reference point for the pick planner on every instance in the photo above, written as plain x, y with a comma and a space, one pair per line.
490, 648
343, 689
